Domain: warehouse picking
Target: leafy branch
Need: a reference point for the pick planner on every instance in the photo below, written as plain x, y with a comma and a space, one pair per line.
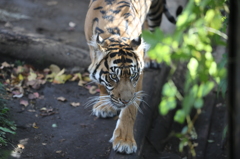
6, 126
200, 28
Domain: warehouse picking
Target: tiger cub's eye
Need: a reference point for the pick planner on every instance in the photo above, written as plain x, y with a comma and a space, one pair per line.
113, 76
133, 75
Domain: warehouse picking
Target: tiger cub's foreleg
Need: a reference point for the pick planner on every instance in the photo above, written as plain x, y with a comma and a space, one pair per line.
123, 138
103, 107
123, 135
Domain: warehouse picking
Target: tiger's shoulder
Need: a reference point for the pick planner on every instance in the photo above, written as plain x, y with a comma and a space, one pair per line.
121, 17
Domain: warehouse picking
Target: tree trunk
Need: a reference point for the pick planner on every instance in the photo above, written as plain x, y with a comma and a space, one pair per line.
233, 101
42, 51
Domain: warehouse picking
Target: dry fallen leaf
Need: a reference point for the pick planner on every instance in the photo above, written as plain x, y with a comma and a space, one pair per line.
61, 72
33, 95
62, 78
32, 75
34, 125
14, 80
20, 69
57, 76
18, 96
93, 89
76, 76
21, 146
24, 103
54, 68
62, 99
35, 84
43, 109
5, 64
36, 94
86, 79
81, 83
46, 70
47, 111
75, 104
40, 76
59, 151
20, 77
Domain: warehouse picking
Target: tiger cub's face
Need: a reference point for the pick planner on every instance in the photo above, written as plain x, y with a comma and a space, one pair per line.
119, 70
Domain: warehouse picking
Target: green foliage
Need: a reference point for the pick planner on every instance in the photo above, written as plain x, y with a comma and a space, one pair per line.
199, 28
6, 126
19, 63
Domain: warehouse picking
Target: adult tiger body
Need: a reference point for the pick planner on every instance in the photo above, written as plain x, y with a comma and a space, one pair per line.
112, 30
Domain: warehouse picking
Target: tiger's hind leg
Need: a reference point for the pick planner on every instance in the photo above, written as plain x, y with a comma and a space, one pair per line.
103, 108
153, 20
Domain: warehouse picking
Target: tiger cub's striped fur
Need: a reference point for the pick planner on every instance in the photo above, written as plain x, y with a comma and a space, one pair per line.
113, 29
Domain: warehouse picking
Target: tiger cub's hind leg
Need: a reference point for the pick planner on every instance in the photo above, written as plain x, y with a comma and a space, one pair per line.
103, 107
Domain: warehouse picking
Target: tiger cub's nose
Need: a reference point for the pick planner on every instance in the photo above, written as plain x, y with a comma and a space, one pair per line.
124, 101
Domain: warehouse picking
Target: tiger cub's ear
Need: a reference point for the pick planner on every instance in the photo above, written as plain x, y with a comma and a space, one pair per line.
136, 42
101, 43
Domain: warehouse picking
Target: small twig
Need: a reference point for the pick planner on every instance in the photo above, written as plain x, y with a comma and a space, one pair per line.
223, 35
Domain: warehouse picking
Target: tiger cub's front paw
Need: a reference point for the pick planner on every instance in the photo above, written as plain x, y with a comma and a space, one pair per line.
123, 144
104, 111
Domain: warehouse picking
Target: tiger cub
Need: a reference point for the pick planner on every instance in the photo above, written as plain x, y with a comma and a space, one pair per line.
112, 30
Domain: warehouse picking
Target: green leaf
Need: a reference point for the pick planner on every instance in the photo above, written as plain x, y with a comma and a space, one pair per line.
153, 38
213, 68
185, 18
169, 90
3, 141
182, 19
208, 56
198, 103
180, 116
205, 88
224, 133
209, 15
216, 23
167, 104
192, 67
210, 141
184, 130
182, 144
223, 62
6, 130
163, 53
223, 86
5, 110
188, 102
194, 91
188, 83
149, 38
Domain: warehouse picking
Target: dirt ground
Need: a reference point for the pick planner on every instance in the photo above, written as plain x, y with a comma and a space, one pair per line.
71, 132
68, 133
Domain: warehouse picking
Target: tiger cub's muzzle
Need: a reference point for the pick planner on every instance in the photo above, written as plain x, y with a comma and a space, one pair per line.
123, 100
